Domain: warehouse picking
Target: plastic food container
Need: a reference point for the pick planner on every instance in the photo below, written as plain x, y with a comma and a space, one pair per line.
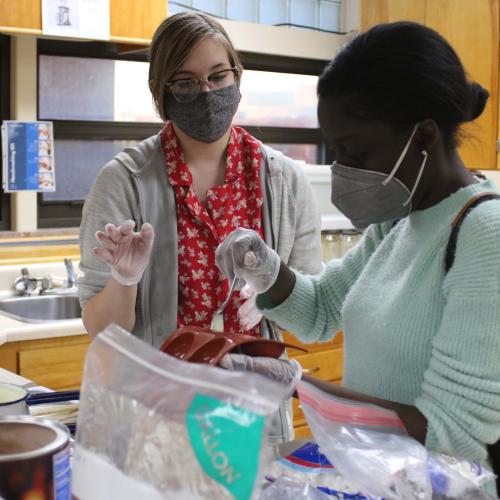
13, 399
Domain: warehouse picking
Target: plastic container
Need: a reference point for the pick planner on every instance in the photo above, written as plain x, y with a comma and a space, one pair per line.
13, 399
202, 345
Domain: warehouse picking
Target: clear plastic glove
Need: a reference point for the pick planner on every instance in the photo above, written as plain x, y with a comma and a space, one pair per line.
248, 313
280, 370
244, 254
125, 251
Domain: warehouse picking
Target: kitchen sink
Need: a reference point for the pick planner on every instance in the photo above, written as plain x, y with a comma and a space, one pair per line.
41, 308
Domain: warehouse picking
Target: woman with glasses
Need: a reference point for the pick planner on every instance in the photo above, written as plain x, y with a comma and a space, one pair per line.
160, 209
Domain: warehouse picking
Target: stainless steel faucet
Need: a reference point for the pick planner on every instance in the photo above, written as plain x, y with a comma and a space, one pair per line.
27, 285
72, 278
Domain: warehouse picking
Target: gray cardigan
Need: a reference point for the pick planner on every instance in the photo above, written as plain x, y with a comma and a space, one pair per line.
134, 185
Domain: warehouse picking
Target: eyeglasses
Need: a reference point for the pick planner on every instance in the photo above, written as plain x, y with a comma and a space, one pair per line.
188, 89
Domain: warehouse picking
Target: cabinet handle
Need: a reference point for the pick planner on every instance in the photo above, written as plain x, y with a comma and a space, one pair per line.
309, 371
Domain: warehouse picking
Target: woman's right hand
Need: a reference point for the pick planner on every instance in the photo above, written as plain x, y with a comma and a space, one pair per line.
245, 255
125, 251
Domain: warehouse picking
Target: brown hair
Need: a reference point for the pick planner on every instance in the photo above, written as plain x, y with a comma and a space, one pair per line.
171, 44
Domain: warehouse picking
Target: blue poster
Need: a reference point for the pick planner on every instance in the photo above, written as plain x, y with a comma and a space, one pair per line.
28, 156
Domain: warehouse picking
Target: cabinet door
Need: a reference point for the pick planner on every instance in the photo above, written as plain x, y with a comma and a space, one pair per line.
497, 137
472, 29
136, 20
387, 11
57, 367
21, 14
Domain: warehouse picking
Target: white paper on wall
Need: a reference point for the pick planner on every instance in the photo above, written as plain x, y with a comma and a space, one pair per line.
76, 18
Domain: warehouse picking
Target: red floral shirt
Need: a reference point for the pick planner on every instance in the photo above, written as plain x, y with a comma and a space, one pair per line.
200, 228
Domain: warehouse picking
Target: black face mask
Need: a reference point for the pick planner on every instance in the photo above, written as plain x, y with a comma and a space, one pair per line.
209, 116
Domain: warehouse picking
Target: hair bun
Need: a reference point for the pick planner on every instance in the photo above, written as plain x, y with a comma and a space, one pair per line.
478, 98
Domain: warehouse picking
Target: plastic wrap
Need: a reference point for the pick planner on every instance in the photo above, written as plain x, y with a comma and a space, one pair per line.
151, 426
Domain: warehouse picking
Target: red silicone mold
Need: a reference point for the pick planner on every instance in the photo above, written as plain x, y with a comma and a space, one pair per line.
202, 345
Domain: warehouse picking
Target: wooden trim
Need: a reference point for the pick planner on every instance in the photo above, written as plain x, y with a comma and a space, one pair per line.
145, 42
11, 30
21, 254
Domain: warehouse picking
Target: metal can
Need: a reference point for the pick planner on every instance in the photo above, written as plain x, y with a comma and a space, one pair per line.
34, 459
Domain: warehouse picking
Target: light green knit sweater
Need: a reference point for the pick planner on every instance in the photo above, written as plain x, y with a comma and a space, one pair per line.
412, 334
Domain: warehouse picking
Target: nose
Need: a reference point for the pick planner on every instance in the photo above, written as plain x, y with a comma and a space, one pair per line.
204, 85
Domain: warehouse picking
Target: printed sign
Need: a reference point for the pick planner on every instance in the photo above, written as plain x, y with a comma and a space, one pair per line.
28, 156
76, 18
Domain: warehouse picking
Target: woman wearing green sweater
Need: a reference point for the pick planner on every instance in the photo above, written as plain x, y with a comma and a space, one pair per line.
419, 339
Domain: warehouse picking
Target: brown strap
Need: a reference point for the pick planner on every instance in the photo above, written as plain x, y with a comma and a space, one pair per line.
473, 200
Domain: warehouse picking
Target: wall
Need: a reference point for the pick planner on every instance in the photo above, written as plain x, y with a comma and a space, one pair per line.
23, 107
283, 41
494, 175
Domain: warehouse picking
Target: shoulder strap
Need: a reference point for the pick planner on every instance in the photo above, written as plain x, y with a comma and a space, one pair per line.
455, 226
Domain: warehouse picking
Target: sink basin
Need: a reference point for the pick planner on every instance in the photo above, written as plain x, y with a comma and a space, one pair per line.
41, 308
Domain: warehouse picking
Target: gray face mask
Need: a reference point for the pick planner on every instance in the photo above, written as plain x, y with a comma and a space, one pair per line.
209, 116
368, 197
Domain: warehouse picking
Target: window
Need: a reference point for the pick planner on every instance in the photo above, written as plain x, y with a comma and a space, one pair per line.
278, 100
315, 14
4, 115
307, 153
100, 103
78, 88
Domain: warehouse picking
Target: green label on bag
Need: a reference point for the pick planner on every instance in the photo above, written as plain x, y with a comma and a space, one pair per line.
226, 440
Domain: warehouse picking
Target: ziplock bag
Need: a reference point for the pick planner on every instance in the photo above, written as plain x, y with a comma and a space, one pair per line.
153, 427
309, 467
454, 479
285, 488
368, 445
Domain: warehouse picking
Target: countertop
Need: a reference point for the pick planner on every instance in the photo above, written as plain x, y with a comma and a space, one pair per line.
13, 330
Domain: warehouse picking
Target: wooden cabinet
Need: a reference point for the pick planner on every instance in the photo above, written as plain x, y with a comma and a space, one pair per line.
21, 15
131, 21
324, 361
386, 11
56, 363
472, 28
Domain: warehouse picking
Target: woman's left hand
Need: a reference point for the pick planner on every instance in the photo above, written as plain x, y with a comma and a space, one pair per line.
280, 370
248, 313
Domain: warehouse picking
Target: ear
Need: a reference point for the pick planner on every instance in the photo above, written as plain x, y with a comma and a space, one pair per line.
427, 134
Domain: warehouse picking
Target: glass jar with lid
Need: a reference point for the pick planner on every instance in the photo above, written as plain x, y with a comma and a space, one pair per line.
348, 239
331, 245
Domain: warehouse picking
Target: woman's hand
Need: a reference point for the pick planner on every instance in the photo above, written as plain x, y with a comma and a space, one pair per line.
245, 255
280, 370
126, 252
